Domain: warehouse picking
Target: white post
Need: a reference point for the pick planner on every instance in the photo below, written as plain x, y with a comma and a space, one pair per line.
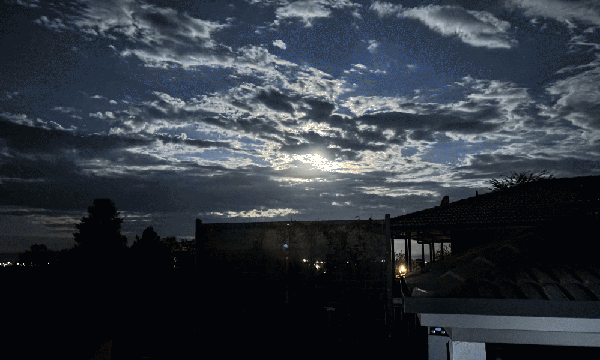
461, 350
437, 347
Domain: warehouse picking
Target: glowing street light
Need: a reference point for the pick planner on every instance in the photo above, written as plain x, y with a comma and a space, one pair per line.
402, 270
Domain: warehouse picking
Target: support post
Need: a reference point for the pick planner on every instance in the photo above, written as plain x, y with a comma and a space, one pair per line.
389, 270
442, 252
422, 254
406, 237
466, 350
408, 267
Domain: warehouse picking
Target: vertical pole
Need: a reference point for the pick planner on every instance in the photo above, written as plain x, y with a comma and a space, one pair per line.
423, 254
406, 237
430, 253
389, 270
442, 252
393, 258
409, 252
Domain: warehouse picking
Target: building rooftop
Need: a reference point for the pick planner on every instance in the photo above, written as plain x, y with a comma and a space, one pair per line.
549, 262
525, 204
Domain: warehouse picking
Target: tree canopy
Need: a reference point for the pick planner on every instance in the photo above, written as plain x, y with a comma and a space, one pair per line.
38, 255
516, 179
150, 251
99, 233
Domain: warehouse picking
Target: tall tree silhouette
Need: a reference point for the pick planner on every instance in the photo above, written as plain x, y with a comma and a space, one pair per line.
97, 273
99, 237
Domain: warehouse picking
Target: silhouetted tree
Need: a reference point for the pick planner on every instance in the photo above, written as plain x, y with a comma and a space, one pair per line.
150, 251
37, 255
99, 239
95, 272
516, 179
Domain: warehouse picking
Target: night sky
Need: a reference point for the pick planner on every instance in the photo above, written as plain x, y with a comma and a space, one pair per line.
276, 110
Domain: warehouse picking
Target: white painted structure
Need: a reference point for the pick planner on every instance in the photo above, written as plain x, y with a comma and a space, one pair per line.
471, 323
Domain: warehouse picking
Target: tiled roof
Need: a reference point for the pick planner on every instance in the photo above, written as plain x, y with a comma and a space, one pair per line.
526, 204
546, 263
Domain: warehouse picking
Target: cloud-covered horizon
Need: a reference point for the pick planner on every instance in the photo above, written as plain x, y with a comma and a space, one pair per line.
271, 110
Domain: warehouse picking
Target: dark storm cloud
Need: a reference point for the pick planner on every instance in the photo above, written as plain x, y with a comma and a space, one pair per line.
319, 109
147, 23
486, 166
28, 139
276, 101
470, 124
260, 126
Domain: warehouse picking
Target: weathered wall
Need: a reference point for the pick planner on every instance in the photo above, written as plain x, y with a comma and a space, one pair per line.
346, 247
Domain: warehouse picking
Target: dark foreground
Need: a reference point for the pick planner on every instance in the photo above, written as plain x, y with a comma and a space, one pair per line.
54, 313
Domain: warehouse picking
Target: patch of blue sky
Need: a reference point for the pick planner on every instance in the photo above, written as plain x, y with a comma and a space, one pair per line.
451, 152
187, 83
408, 151
250, 143
534, 61
328, 45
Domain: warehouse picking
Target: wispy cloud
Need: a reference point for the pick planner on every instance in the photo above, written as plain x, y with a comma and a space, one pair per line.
476, 28
309, 10
279, 44
566, 11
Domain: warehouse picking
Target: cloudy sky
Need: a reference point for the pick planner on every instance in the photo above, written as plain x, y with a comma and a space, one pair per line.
271, 110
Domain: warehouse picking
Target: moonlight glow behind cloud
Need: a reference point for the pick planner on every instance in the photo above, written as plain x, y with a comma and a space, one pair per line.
262, 110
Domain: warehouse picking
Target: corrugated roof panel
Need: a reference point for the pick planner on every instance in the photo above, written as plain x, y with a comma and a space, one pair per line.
594, 288
585, 276
509, 291
523, 277
532, 291
553, 292
542, 276
594, 271
563, 276
505, 254
578, 292
488, 290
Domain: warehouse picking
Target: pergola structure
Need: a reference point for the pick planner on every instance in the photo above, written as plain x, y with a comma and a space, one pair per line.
480, 219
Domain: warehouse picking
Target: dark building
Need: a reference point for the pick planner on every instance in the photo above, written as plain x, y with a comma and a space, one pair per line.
523, 280
485, 218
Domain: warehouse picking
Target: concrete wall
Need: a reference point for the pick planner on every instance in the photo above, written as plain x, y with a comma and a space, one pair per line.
344, 246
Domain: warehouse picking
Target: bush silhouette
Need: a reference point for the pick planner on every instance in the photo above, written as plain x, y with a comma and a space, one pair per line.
150, 252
